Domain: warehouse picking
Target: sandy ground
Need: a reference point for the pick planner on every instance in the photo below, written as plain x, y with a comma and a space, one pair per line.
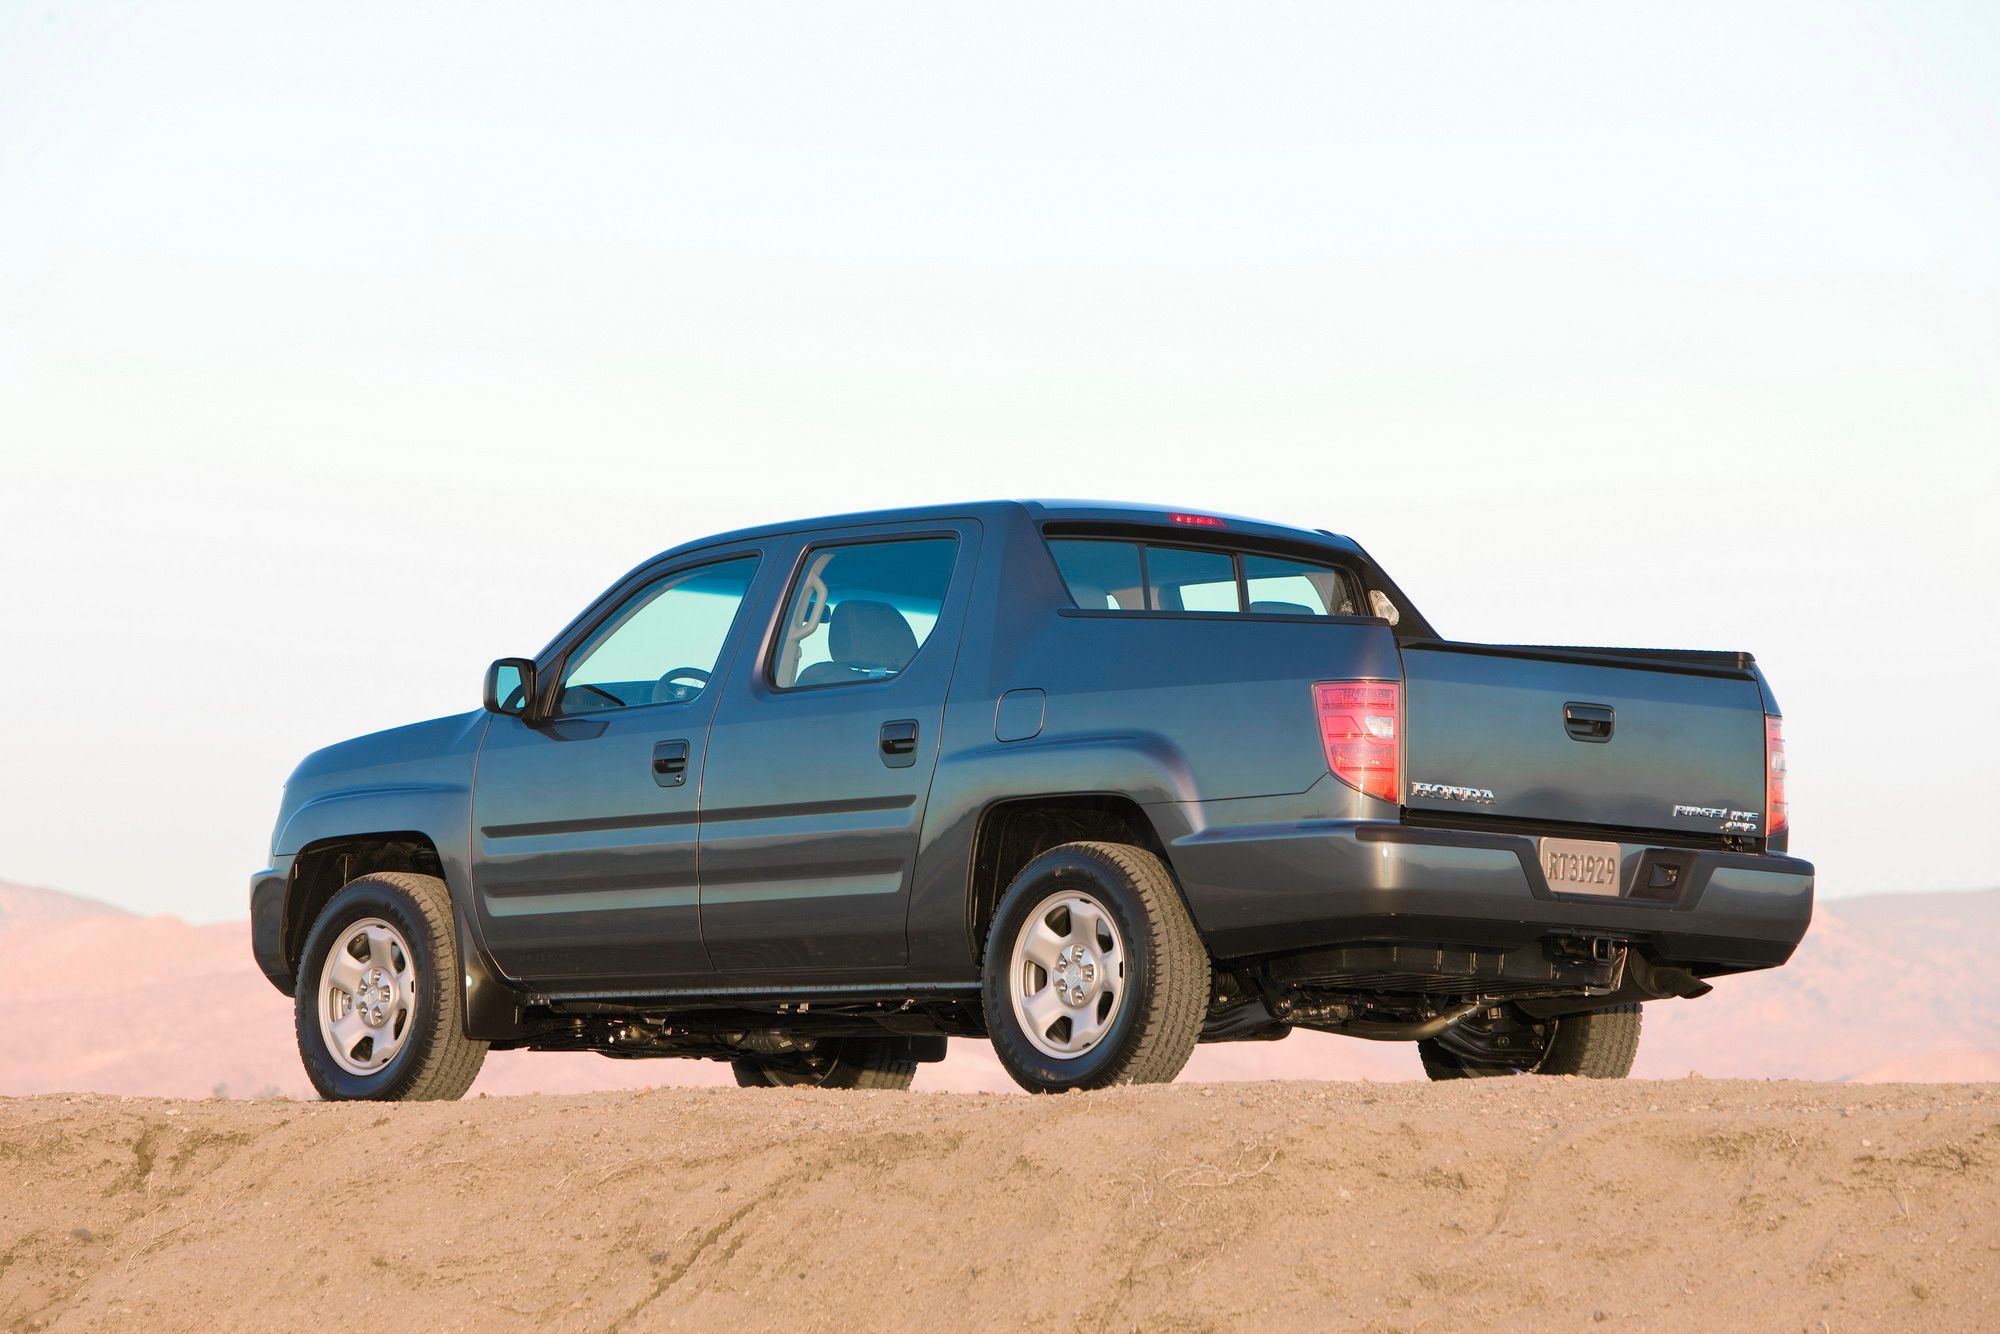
1513, 1203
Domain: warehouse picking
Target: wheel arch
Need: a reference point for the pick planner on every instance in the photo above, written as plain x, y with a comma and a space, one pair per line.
491, 1006
1013, 831
323, 866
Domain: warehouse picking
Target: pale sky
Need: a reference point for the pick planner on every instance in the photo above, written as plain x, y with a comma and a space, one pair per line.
343, 350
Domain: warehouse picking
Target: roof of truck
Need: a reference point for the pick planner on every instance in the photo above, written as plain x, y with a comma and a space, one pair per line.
1193, 520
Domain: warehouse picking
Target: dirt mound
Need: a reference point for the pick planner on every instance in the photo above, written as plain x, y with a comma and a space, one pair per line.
1526, 1203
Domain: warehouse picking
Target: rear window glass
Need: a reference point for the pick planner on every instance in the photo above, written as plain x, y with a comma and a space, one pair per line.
1105, 575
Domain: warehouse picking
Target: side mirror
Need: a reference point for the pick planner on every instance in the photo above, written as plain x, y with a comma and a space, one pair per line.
510, 686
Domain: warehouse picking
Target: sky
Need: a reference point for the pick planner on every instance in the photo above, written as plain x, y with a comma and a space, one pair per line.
343, 350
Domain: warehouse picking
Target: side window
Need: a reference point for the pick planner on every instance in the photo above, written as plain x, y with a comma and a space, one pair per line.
662, 644
1278, 587
1102, 576
1178, 579
860, 611
1106, 575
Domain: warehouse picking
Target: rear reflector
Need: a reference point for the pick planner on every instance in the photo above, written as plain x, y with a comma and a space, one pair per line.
1358, 722
1777, 819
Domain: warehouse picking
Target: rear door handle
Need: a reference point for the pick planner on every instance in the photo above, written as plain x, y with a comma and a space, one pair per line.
899, 743
670, 763
1589, 722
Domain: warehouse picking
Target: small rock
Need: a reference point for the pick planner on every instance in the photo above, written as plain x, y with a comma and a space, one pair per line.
83, 1234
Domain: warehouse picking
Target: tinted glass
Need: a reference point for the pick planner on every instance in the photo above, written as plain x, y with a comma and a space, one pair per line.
1278, 587
662, 645
860, 612
1181, 580
1107, 576
1102, 576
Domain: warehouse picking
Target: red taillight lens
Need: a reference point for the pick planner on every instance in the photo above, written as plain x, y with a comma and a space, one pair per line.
1358, 722
1196, 521
1777, 819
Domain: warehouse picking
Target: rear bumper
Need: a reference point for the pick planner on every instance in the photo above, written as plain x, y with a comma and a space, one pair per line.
268, 926
1261, 890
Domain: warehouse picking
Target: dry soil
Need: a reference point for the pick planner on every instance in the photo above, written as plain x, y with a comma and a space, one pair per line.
1530, 1204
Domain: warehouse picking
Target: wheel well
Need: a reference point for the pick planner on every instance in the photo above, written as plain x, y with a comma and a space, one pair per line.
323, 867
1014, 833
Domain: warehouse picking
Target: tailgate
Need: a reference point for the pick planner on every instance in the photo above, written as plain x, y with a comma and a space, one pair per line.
1533, 737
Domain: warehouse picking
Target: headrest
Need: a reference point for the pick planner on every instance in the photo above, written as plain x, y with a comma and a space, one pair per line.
1281, 609
872, 635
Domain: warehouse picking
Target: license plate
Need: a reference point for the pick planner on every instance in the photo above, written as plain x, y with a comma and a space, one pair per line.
1579, 866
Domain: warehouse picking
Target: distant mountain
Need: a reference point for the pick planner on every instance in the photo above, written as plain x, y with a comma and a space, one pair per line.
21, 905
1894, 987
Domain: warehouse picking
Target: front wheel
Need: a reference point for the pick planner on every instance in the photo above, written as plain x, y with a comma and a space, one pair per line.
377, 1004
1597, 1044
1094, 973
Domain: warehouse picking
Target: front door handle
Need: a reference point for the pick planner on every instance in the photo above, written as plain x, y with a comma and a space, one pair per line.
670, 763
899, 743
1589, 722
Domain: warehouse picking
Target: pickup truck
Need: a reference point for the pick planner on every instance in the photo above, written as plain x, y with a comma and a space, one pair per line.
1094, 782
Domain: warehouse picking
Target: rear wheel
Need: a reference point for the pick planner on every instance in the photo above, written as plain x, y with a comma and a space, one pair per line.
1597, 1044
377, 1005
836, 1063
1094, 972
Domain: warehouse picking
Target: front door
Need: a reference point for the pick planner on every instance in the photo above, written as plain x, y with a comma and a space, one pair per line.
584, 824
821, 756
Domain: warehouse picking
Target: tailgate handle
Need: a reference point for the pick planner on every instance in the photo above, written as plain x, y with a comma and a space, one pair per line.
1589, 722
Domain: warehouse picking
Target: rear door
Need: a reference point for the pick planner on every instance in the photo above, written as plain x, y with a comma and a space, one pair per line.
822, 750
1570, 742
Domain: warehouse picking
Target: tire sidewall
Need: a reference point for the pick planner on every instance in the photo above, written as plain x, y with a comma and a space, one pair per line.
368, 898
1055, 872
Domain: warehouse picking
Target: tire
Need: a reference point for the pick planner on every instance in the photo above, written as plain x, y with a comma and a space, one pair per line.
1131, 912
841, 1063
1597, 1044
412, 981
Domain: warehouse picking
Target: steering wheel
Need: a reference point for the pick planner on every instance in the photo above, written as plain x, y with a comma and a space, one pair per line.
672, 691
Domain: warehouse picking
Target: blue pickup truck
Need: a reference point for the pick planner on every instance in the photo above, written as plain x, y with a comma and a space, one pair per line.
1094, 782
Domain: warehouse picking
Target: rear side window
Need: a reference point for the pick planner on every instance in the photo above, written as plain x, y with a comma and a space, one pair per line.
1105, 575
860, 611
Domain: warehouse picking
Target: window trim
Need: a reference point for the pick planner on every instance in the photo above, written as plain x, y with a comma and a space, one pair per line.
1356, 583
614, 603
767, 674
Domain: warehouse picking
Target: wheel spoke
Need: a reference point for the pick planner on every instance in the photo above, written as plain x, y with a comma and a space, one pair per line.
1083, 924
379, 952
348, 1030
344, 971
1086, 1028
1043, 1008
388, 1041
1042, 945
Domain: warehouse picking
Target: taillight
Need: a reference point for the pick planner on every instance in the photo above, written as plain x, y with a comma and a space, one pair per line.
1776, 818
1358, 722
